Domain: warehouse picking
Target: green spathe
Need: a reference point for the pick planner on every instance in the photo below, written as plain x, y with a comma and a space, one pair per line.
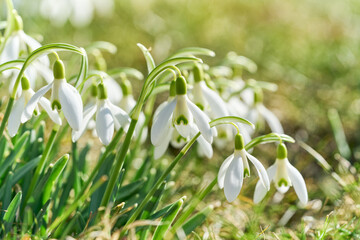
59, 69
180, 86
102, 93
281, 151
239, 142
173, 89
198, 73
25, 84
18, 22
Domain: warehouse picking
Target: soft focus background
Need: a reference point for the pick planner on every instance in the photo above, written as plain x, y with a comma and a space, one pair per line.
309, 48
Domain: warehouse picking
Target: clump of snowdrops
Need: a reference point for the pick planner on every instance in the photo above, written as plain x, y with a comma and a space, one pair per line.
46, 194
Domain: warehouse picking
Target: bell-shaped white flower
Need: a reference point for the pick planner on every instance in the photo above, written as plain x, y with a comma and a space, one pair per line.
235, 168
108, 117
19, 44
205, 98
19, 106
284, 175
64, 97
169, 133
183, 114
128, 103
260, 112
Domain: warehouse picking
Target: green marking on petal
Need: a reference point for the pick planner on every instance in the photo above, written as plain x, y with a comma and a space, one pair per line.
182, 119
179, 138
282, 181
56, 104
246, 173
200, 106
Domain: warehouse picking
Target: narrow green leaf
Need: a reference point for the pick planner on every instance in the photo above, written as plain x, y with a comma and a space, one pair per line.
129, 72
197, 220
229, 120
11, 211
102, 45
149, 59
130, 189
15, 153
166, 221
339, 133
193, 51
15, 64
56, 171
271, 137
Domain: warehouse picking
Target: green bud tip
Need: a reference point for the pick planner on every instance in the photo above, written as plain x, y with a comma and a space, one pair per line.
102, 93
18, 22
172, 88
239, 142
126, 87
198, 73
281, 151
93, 90
180, 86
59, 69
25, 84
258, 96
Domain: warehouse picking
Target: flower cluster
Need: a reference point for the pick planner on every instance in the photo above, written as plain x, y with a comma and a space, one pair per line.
198, 95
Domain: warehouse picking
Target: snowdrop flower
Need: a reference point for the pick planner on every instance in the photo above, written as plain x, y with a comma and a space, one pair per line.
16, 45
80, 12
178, 119
205, 98
108, 117
19, 106
128, 103
284, 175
235, 168
260, 110
63, 97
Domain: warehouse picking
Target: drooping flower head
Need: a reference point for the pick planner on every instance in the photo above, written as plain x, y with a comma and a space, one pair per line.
19, 106
236, 167
108, 117
177, 120
284, 175
64, 97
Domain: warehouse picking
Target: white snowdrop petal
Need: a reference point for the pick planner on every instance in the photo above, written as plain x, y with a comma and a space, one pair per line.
260, 170
44, 71
158, 129
217, 105
15, 116
31, 105
161, 149
183, 130
260, 190
201, 120
121, 118
113, 89
205, 147
223, 169
71, 105
11, 50
233, 179
104, 124
53, 114
298, 183
88, 114
31, 42
271, 119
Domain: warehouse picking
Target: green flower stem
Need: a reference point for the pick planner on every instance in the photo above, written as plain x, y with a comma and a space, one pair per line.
74, 205
190, 208
108, 149
6, 116
119, 161
158, 182
41, 164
